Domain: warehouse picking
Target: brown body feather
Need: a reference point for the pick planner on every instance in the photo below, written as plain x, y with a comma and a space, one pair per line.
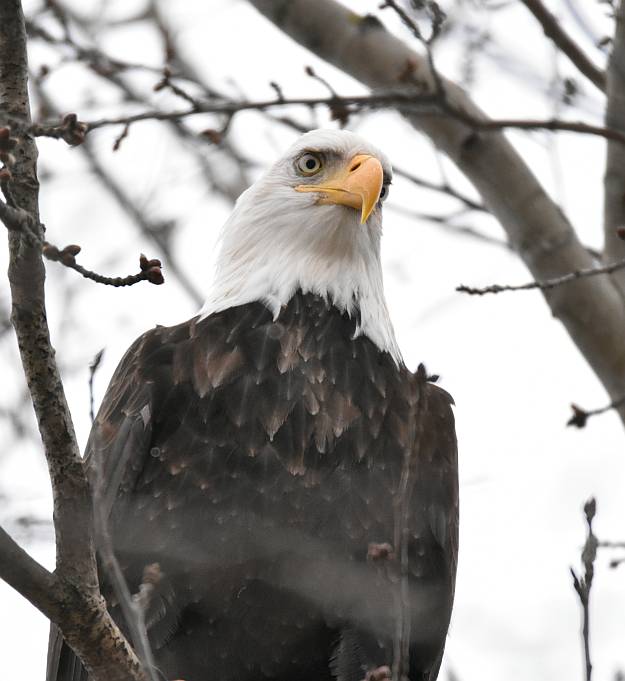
257, 461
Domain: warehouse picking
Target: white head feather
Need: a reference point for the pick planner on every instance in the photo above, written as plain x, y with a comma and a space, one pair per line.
279, 240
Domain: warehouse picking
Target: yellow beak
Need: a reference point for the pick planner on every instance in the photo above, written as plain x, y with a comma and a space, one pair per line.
357, 184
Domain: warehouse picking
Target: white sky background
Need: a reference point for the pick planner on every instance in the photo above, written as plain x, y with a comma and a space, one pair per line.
512, 369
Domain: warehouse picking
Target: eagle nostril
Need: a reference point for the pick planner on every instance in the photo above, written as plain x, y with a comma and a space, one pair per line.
355, 166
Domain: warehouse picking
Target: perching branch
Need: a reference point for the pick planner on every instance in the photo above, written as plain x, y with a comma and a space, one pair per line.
71, 598
583, 584
544, 285
553, 30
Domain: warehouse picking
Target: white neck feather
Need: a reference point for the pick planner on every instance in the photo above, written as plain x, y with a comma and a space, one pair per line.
278, 241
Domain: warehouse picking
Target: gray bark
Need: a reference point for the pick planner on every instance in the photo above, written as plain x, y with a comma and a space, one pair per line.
614, 181
70, 596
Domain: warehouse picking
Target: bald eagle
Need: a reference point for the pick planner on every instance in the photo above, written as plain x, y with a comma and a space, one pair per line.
294, 481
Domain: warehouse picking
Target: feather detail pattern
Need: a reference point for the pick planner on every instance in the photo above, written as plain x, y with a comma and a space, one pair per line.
257, 458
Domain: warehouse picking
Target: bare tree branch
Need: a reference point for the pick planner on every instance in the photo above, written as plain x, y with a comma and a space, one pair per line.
547, 284
25, 575
150, 270
591, 308
553, 125
612, 544
583, 584
580, 416
19, 220
79, 610
553, 30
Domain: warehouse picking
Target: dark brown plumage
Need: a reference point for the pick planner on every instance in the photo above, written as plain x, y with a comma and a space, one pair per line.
298, 489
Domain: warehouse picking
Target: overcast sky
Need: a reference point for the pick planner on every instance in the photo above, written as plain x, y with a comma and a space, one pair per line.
510, 366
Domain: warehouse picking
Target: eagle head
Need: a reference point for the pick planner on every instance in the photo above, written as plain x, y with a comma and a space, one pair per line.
312, 222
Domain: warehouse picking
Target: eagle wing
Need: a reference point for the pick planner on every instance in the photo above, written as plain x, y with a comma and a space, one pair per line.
227, 444
438, 487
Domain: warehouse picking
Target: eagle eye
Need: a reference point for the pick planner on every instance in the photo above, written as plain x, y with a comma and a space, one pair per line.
384, 192
308, 164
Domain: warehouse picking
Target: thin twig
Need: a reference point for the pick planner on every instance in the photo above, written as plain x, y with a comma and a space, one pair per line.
166, 83
18, 220
443, 188
121, 137
91, 55
435, 15
158, 232
315, 76
611, 544
547, 283
150, 270
445, 222
93, 367
405, 18
583, 584
580, 416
